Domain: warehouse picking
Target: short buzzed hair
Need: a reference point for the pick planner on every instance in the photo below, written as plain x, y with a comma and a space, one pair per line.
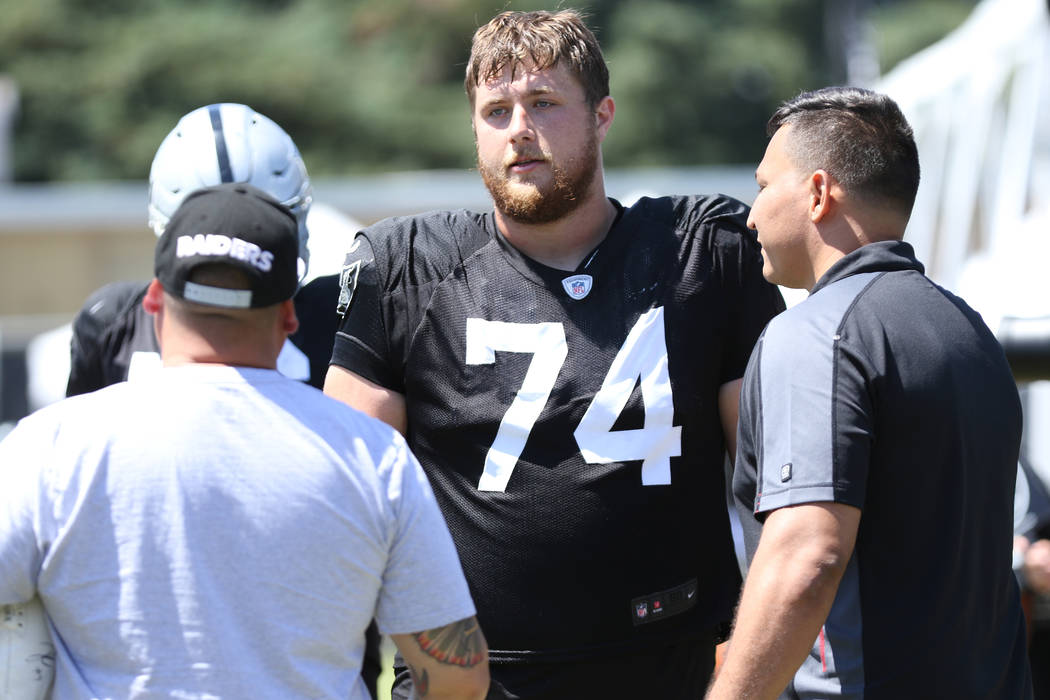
538, 40
220, 276
859, 137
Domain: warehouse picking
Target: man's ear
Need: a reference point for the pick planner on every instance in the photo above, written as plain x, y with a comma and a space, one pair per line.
289, 321
821, 198
153, 302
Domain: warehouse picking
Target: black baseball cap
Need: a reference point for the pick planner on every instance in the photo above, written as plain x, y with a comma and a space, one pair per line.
230, 224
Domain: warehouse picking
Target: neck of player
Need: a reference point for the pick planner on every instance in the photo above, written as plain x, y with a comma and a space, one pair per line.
563, 244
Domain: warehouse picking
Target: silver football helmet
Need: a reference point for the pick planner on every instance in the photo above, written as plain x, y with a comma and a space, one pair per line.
229, 143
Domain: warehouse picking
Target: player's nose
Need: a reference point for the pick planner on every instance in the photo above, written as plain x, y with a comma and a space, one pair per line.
521, 126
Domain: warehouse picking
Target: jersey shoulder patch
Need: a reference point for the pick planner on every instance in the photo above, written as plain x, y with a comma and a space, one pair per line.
348, 285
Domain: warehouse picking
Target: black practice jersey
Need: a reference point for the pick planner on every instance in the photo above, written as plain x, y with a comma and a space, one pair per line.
568, 421
107, 332
112, 331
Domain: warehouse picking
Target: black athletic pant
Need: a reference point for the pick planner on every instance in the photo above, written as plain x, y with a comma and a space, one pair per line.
372, 663
679, 672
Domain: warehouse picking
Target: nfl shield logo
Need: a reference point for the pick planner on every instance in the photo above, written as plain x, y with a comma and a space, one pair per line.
578, 286
641, 610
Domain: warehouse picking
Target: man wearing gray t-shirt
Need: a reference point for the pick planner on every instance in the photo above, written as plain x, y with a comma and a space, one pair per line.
218, 530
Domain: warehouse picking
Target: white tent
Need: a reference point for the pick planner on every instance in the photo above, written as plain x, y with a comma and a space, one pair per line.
979, 101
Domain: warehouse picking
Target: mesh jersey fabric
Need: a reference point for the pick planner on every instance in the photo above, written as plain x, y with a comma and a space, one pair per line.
500, 367
112, 326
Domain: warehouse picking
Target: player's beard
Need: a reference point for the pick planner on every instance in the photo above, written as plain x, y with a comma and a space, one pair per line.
541, 204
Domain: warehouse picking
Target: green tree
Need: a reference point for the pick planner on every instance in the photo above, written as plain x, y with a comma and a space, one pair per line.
369, 85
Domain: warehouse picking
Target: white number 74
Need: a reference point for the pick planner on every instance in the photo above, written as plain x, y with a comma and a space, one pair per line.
643, 356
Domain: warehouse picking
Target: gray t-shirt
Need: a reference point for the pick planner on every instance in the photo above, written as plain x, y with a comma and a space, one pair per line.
219, 532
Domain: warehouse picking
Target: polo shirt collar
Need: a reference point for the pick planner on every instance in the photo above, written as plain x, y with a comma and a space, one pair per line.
883, 256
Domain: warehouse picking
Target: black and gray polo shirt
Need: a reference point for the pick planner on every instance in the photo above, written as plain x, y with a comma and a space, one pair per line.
886, 392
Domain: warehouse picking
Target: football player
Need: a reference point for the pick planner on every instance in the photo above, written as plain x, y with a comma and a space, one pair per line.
567, 370
112, 335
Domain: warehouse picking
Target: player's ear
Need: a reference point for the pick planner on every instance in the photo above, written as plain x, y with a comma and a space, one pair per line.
153, 302
603, 115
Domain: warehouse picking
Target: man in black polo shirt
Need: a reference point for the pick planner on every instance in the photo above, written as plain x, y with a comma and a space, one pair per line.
878, 439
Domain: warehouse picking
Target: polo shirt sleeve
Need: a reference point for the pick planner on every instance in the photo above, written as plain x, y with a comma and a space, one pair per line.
815, 411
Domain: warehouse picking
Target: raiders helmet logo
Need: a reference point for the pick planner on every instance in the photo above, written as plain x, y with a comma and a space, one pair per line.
347, 286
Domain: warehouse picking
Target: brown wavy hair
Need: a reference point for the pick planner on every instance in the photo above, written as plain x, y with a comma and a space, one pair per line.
538, 40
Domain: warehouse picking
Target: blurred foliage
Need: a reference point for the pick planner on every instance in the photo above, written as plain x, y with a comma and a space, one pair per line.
903, 27
376, 85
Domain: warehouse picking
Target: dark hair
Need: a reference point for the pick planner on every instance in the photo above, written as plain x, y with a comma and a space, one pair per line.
542, 39
859, 136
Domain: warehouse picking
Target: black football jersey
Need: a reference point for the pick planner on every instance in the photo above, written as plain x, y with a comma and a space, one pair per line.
315, 305
112, 327
568, 421
107, 332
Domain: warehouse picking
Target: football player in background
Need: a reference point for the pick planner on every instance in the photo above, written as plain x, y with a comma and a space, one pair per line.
112, 335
